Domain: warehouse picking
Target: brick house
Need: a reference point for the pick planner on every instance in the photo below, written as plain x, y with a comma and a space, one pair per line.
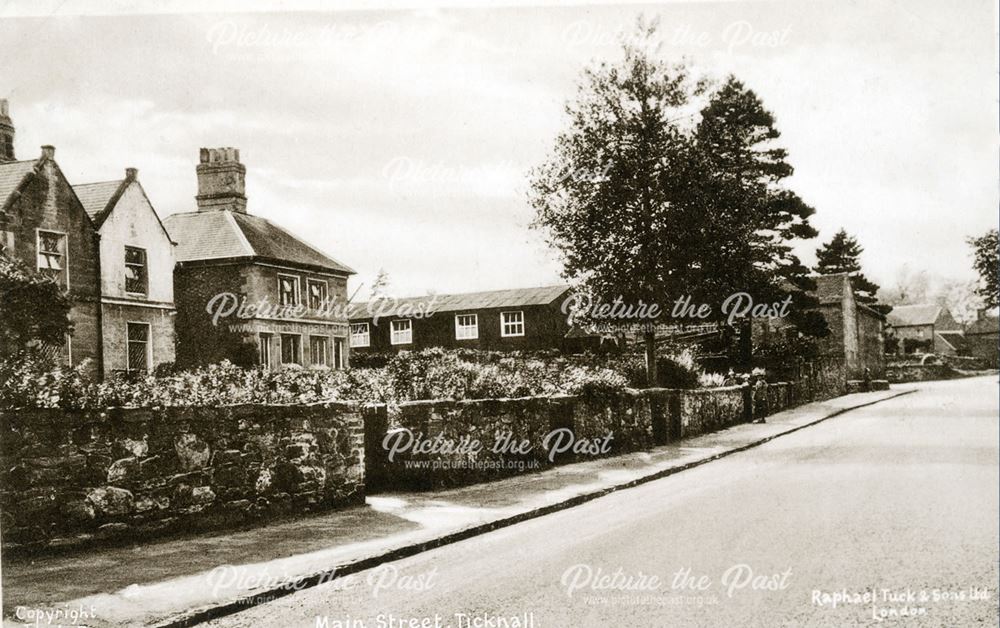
523, 319
274, 299
137, 266
922, 324
44, 224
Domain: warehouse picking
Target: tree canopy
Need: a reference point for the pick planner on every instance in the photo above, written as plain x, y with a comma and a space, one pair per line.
986, 259
664, 185
842, 255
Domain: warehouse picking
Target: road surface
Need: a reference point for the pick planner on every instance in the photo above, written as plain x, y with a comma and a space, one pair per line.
887, 515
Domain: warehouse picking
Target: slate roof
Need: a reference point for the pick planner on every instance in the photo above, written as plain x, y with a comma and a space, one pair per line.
96, 198
218, 235
957, 341
11, 175
909, 315
516, 297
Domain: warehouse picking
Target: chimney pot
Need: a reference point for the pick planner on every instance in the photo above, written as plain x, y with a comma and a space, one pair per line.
4, 111
49, 151
131, 173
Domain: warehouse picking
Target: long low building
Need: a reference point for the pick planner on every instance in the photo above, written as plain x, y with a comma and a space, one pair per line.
498, 320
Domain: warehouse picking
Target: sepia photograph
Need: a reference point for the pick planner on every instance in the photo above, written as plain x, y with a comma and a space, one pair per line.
495, 314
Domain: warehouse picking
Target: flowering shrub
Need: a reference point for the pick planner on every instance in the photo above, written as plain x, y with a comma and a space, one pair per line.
711, 380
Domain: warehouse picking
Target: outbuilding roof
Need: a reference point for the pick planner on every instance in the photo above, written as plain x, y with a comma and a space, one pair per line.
910, 315
467, 302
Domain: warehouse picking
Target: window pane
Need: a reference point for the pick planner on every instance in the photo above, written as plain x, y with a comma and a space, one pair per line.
265, 349
134, 256
135, 270
51, 262
402, 332
319, 350
138, 332
360, 336
289, 349
138, 346
49, 242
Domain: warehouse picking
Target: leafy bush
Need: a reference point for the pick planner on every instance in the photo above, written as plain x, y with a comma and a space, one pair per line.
31, 381
33, 309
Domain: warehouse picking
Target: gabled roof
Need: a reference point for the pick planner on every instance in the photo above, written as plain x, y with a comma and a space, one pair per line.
516, 297
219, 235
15, 174
98, 198
985, 325
12, 173
909, 315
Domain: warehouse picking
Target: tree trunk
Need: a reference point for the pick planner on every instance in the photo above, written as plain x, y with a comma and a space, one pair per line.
650, 341
744, 345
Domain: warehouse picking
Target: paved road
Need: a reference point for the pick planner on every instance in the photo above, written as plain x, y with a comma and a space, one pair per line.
897, 499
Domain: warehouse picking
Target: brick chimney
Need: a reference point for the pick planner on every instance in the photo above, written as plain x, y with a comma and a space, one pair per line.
221, 181
6, 133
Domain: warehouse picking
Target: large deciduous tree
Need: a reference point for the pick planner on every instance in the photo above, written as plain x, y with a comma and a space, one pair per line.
986, 260
645, 206
611, 197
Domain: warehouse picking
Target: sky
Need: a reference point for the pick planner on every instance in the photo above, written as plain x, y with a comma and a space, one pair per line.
401, 138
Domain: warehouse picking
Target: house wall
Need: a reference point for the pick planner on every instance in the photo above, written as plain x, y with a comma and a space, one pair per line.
199, 340
941, 347
47, 202
833, 344
849, 307
871, 345
237, 337
114, 320
134, 223
918, 332
545, 327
